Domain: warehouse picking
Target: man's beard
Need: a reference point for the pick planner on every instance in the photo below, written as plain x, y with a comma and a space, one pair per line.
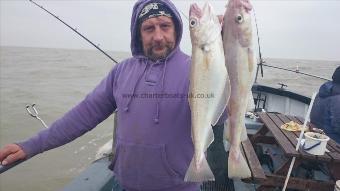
157, 56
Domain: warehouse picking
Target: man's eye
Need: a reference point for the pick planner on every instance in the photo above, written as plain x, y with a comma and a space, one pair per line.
165, 26
147, 29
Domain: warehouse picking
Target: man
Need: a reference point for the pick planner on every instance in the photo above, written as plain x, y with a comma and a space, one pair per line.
325, 112
148, 90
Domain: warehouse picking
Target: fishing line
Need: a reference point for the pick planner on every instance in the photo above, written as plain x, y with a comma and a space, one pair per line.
34, 112
184, 14
74, 29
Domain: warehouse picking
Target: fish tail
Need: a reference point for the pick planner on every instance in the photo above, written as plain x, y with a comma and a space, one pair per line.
237, 165
250, 104
199, 171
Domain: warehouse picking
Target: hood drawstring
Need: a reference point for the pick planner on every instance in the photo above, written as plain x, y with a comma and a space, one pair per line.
156, 120
126, 109
157, 115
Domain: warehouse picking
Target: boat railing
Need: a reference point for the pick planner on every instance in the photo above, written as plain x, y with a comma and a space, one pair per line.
4, 168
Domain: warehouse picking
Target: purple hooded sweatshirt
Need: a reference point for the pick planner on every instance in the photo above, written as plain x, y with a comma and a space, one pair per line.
153, 136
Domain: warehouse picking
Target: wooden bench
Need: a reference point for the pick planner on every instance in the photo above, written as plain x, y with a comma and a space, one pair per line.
257, 172
258, 175
217, 159
287, 141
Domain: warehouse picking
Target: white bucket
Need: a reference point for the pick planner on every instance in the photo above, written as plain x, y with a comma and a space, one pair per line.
315, 143
337, 186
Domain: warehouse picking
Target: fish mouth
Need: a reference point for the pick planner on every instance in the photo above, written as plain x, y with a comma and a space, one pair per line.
195, 11
242, 4
247, 6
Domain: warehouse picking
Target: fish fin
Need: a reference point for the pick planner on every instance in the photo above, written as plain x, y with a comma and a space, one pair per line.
222, 103
252, 65
251, 104
226, 136
226, 130
244, 135
226, 145
209, 139
237, 164
200, 174
251, 62
226, 133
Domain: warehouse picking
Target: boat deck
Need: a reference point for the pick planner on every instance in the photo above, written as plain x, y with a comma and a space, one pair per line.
271, 133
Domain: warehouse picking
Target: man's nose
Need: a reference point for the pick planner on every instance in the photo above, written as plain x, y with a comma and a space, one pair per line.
158, 36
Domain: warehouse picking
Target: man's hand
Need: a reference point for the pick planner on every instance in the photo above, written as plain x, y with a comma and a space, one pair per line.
11, 153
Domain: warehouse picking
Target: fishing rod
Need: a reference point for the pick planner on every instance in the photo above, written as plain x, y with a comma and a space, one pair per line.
260, 64
297, 71
33, 112
75, 30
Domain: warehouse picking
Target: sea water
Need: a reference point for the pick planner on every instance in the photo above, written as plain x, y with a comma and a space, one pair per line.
57, 79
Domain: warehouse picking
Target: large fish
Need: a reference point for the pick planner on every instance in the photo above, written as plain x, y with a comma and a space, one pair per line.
209, 89
239, 60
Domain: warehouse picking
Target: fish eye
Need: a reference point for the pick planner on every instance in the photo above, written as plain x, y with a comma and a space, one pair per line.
239, 18
193, 22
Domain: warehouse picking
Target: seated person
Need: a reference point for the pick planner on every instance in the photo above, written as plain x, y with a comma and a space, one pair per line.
325, 112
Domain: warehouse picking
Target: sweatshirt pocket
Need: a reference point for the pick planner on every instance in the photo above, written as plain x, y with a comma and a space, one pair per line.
144, 167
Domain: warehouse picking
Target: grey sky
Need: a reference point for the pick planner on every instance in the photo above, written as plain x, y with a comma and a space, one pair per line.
297, 29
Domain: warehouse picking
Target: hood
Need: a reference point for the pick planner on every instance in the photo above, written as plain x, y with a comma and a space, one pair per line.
336, 89
136, 45
326, 90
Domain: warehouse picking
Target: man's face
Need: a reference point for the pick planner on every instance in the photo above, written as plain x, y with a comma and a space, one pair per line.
158, 37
